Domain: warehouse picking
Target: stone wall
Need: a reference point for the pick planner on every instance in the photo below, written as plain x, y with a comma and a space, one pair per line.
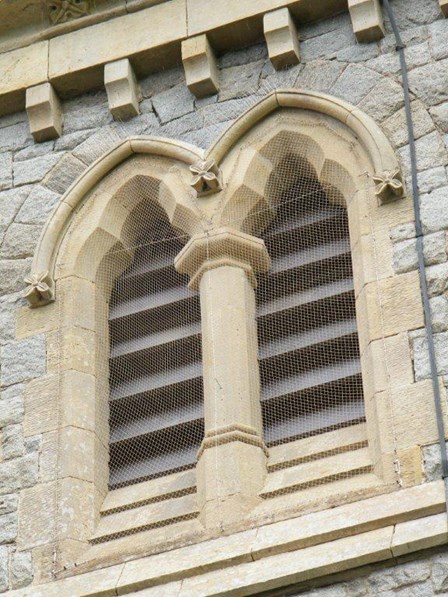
34, 176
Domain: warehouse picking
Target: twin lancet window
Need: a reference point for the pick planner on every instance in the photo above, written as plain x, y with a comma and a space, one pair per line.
309, 367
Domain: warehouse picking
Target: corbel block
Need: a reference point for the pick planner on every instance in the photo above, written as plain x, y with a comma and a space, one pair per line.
367, 19
282, 38
200, 67
44, 112
122, 89
444, 7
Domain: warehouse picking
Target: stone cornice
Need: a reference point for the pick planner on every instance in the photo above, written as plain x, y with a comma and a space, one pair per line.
72, 55
308, 547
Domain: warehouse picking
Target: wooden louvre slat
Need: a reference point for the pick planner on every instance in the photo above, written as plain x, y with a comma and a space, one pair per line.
155, 372
310, 371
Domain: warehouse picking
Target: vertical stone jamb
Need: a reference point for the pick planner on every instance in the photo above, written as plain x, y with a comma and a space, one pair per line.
44, 112
122, 89
232, 458
200, 67
282, 38
367, 19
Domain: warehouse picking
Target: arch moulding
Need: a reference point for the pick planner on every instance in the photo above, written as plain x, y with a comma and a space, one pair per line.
205, 165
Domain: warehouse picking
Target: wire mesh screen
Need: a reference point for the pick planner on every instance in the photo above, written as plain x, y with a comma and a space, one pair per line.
155, 378
308, 344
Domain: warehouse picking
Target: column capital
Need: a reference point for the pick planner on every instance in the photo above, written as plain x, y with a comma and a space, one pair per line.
222, 247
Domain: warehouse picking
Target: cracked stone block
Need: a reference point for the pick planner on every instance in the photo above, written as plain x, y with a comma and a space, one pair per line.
122, 89
44, 112
200, 67
367, 19
282, 38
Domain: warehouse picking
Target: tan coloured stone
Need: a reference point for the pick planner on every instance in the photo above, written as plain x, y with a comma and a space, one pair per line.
366, 256
145, 517
410, 469
78, 298
200, 67
423, 533
291, 453
280, 570
37, 515
48, 457
75, 509
367, 19
444, 6
77, 349
387, 363
41, 405
76, 59
21, 69
30, 322
76, 454
388, 307
44, 112
122, 89
77, 400
282, 38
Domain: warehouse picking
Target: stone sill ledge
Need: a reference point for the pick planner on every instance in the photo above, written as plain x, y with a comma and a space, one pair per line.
73, 61
288, 552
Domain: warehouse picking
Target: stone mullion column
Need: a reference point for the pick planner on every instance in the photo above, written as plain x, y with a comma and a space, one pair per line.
232, 458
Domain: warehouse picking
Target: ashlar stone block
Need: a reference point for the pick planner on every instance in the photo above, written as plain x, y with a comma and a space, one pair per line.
444, 7
44, 112
282, 38
200, 67
367, 19
122, 89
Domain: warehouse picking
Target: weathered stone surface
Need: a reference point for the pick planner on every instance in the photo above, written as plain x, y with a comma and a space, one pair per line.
434, 210
37, 508
10, 203
161, 81
440, 570
8, 503
398, 576
8, 528
12, 445
389, 63
430, 83
4, 572
90, 111
430, 150
96, 145
23, 360
12, 403
358, 53
440, 115
384, 99
64, 173
327, 44
223, 111
405, 252
173, 103
34, 151
34, 170
395, 126
5, 171
437, 279
208, 135
12, 273
438, 39
432, 179
20, 241
37, 206
421, 357
18, 473
320, 75
180, 126
413, 36
15, 137
71, 140
240, 81
439, 313
402, 232
355, 83
21, 569
145, 124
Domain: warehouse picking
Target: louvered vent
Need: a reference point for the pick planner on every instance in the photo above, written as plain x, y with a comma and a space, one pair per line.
155, 372
308, 343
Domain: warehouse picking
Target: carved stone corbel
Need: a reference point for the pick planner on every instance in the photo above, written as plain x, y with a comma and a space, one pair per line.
207, 178
40, 290
61, 11
389, 186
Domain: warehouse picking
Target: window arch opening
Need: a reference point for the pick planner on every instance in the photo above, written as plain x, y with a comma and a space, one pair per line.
310, 371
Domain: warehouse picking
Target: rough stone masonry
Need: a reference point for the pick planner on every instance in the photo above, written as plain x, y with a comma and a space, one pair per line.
34, 176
